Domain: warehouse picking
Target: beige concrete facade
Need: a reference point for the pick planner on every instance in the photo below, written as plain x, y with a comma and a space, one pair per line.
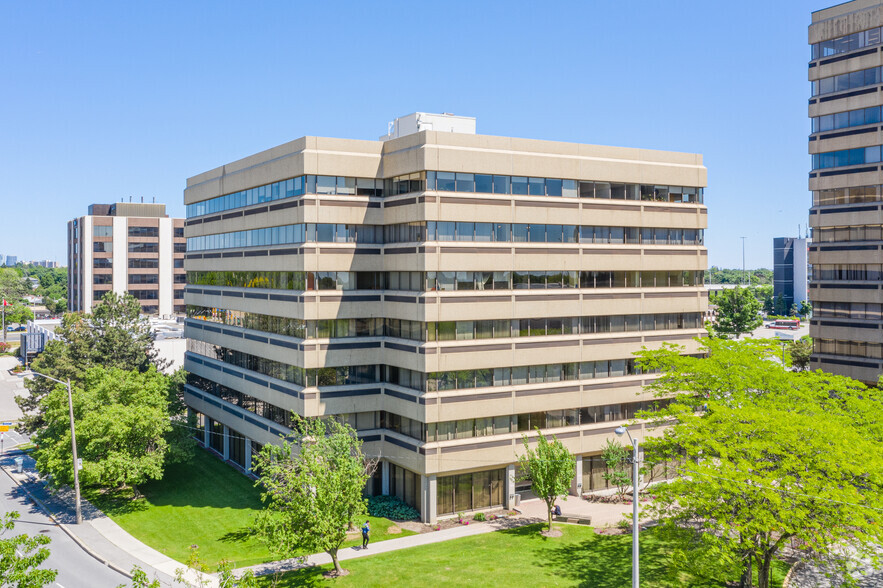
846, 255
234, 396
101, 257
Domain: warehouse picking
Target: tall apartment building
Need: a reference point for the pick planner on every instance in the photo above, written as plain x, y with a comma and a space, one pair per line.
127, 247
846, 75
790, 270
442, 292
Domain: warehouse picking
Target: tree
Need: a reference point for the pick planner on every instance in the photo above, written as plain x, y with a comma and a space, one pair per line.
121, 336
122, 425
770, 458
20, 556
800, 352
312, 489
794, 310
550, 468
18, 313
115, 335
738, 311
805, 308
779, 307
616, 457
12, 286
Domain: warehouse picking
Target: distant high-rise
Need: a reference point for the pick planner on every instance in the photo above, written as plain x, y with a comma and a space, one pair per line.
847, 173
127, 247
11, 260
790, 270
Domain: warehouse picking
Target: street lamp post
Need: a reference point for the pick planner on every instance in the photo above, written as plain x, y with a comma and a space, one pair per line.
70, 404
635, 527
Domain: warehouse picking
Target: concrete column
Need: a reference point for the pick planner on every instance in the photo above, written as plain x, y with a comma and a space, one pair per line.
510, 487
248, 455
384, 478
429, 500
576, 486
207, 431
226, 443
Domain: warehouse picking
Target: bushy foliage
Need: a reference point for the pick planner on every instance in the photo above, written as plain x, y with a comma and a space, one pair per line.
391, 507
769, 457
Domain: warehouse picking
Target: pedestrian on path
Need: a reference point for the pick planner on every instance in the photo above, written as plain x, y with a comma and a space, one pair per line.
366, 528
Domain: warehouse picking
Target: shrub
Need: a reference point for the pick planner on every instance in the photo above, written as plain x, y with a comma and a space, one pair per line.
479, 516
4, 347
390, 507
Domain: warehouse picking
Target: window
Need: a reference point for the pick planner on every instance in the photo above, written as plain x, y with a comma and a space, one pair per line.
102, 231
102, 262
102, 246
146, 247
146, 263
144, 231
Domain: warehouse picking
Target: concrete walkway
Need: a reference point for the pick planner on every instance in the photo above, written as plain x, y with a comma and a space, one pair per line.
532, 511
429, 538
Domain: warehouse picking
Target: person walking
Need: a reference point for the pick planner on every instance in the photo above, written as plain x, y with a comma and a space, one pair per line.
366, 529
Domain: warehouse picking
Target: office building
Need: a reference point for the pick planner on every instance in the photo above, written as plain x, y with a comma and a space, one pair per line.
846, 63
790, 270
444, 293
11, 260
127, 247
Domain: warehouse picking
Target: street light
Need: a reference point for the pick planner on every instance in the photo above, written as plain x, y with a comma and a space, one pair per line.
620, 430
70, 404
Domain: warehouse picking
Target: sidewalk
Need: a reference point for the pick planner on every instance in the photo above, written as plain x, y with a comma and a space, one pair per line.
287, 565
532, 511
98, 535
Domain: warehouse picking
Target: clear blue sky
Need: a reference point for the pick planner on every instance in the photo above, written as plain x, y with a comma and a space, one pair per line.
103, 100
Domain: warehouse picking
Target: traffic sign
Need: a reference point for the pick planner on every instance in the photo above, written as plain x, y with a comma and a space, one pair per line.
79, 463
4, 428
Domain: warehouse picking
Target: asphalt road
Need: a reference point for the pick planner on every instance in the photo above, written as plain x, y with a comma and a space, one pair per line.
76, 568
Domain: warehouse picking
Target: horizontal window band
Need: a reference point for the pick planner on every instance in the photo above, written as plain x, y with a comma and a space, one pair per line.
848, 95
837, 135
847, 56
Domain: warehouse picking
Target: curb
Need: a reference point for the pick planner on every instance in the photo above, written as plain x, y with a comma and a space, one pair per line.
67, 531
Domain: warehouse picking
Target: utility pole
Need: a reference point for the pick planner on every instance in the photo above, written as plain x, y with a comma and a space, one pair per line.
4, 320
743, 259
70, 404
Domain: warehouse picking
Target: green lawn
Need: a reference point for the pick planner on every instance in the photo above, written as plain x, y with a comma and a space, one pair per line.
205, 503
517, 557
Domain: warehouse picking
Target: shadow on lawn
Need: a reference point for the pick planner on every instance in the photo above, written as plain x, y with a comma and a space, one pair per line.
604, 561
239, 535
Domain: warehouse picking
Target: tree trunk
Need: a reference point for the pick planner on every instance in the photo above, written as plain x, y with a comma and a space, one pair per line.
747, 580
549, 513
337, 569
764, 571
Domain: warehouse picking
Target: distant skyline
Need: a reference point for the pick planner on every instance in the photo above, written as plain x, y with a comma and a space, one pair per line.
107, 100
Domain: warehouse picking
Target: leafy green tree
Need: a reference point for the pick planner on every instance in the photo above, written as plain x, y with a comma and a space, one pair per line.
121, 336
794, 310
800, 352
12, 287
770, 458
115, 335
312, 489
738, 311
550, 468
122, 424
615, 457
21, 556
780, 307
805, 308
18, 313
